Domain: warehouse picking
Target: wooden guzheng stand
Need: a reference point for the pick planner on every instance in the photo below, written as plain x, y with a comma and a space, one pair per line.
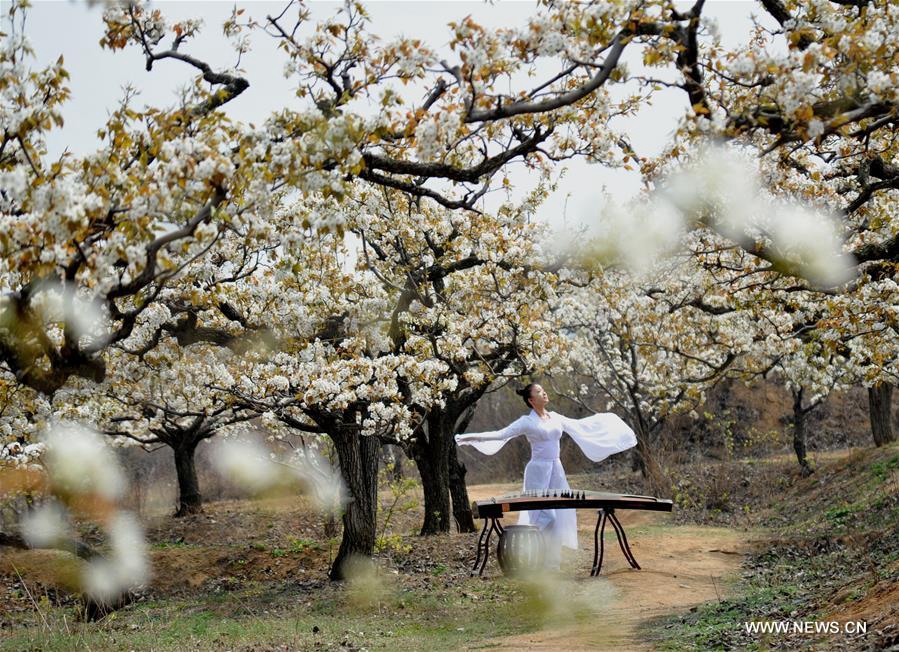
493, 509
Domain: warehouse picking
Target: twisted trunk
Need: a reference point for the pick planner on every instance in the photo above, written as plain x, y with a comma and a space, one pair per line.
799, 445
879, 407
650, 467
431, 455
74, 546
90, 609
189, 499
458, 489
459, 492
358, 458
644, 459
392, 454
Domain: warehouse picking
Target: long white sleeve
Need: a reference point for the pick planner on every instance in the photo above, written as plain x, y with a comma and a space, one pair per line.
489, 443
600, 435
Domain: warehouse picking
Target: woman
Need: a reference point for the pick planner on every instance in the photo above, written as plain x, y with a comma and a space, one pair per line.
597, 436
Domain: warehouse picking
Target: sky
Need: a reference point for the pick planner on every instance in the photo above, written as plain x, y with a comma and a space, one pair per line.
73, 29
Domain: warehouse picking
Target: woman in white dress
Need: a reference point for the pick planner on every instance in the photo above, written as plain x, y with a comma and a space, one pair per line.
598, 436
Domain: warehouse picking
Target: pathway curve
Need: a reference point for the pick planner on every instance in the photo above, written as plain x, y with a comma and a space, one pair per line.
682, 566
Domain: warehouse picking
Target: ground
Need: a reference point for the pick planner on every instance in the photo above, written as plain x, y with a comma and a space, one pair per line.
251, 575
240, 566
828, 553
681, 566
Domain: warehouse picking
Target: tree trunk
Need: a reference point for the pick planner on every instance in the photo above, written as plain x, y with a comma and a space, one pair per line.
799, 432
458, 489
637, 462
650, 466
879, 407
432, 459
393, 455
90, 609
459, 492
74, 546
358, 458
189, 499
645, 460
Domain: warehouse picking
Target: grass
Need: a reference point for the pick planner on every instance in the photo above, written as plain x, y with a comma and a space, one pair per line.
883, 468
833, 552
294, 547
241, 578
402, 620
168, 545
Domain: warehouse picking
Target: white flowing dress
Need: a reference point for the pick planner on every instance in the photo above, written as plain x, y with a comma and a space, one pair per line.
598, 436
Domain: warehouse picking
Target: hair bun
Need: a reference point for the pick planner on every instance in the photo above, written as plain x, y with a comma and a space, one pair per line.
525, 393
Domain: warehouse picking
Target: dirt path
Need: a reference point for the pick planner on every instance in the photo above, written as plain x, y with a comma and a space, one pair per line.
681, 566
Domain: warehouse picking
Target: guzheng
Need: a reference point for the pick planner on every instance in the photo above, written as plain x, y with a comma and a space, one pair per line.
493, 509
537, 500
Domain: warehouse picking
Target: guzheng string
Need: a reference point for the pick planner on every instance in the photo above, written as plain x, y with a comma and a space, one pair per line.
569, 494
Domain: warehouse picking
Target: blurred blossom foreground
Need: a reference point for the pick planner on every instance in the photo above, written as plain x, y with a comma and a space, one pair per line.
86, 481
723, 191
248, 464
